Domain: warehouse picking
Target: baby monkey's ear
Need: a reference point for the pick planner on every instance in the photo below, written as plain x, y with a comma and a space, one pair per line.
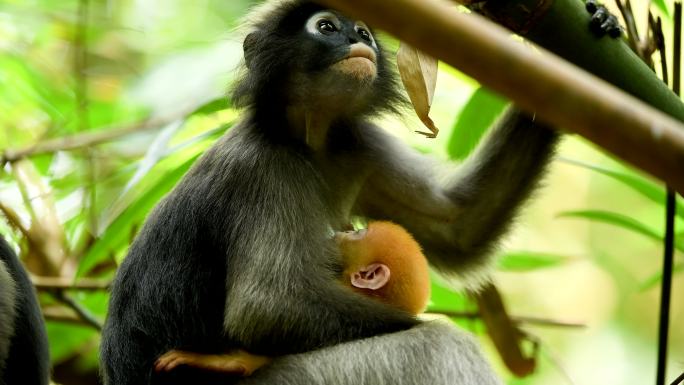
373, 277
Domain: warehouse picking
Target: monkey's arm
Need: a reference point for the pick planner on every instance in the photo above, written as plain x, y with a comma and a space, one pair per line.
286, 311
458, 219
284, 293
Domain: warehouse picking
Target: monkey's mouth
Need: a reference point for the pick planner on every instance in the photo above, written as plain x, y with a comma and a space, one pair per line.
361, 51
360, 63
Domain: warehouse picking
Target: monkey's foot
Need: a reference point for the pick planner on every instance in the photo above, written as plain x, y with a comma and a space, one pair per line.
602, 21
239, 363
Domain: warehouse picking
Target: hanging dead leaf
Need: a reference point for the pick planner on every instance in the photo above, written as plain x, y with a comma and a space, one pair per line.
419, 74
504, 332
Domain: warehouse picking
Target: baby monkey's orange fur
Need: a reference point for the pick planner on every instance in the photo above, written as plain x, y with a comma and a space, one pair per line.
388, 244
383, 261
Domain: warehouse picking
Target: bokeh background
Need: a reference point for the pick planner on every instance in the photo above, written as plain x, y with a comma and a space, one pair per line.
104, 104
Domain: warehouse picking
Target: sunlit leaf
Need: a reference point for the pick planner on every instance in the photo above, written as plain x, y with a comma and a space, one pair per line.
622, 221
662, 6
476, 117
615, 219
119, 231
643, 186
443, 298
527, 261
655, 279
173, 158
155, 152
215, 105
454, 304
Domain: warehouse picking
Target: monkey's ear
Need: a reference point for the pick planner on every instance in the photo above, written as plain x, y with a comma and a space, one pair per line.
372, 277
250, 47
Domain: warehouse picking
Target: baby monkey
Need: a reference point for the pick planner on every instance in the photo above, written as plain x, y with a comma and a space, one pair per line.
382, 261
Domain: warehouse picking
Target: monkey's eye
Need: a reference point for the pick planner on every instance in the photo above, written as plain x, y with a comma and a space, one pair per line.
326, 26
365, 35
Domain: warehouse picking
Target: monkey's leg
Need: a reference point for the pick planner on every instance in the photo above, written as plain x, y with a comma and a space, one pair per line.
433, 353
238, 363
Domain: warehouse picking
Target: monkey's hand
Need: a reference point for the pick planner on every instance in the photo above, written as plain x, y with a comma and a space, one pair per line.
602, 21
239, 363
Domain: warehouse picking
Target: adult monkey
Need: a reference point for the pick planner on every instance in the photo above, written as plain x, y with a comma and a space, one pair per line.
382, 261
240, 255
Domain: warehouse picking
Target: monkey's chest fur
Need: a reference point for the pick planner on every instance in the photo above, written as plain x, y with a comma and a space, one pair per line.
243, 198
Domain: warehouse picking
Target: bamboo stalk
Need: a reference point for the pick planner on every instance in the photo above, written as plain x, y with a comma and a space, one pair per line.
609, 59
538, 81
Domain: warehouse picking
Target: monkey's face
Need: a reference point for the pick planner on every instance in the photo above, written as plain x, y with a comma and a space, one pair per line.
337, 63
344, 46
301, 54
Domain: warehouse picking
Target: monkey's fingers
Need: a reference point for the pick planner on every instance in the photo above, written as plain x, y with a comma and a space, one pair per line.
163, 363
171, 359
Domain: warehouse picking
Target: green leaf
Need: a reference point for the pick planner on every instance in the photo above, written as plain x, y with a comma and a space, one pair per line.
156, 151
662, 6
528, 261
119, 231
615, 219
67, 339
444, 299
657, 278
623, 221
476, 117
641, 185
222, 103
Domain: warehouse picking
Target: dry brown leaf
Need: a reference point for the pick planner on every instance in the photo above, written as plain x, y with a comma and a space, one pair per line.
419, 74
504, 332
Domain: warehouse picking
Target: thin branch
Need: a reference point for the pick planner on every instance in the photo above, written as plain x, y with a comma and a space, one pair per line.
60, 314
63, 283
553, 358
679, 380
670, 208
630, 23
520, 320
82, 312
538, 81
547, 322
82, 140
14, 221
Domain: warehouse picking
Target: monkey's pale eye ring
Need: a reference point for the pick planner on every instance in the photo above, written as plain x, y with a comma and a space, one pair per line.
323, 23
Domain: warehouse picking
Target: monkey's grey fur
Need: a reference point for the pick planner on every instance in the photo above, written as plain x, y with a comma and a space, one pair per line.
239, 255
7, 314
433, 353
24, 356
